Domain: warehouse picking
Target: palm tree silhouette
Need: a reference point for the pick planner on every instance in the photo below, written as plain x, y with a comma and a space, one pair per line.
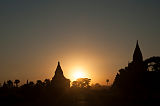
17, 82
10, 83
107, 80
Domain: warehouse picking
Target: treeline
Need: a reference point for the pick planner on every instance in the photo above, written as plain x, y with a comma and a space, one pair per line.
79, 83
43, 92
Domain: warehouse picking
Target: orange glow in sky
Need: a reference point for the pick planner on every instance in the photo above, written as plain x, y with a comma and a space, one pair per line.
78, 73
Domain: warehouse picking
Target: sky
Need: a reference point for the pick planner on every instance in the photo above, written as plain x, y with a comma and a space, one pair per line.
97, 37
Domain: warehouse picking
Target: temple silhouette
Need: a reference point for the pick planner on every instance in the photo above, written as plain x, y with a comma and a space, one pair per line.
59, 81
139, 74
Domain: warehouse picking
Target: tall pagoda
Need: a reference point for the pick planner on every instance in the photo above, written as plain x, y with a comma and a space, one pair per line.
59, 81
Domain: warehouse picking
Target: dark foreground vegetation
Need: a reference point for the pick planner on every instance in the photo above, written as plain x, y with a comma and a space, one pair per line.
76, 97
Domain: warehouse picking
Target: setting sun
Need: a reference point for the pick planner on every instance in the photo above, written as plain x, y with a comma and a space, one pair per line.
79, 73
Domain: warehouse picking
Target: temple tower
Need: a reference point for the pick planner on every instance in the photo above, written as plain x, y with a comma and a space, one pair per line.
59, 81
137, 64
137, 55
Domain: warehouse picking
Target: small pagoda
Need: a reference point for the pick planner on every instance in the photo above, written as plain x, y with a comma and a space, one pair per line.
59, 81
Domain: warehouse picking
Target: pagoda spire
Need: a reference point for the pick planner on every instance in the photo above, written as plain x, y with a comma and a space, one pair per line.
58, 63
59, 70
137, 55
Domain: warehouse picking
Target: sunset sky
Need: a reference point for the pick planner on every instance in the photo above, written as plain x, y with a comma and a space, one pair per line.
97, 37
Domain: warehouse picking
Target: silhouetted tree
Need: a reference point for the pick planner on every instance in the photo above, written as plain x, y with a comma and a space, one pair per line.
31, 84
4, 85
47, 82
81, 83
10, 84
39, 84
17, 82
74, 84
97, 85
152, 64
107, 80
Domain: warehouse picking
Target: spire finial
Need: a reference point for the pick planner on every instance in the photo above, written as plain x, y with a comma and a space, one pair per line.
58, 63
137, 43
